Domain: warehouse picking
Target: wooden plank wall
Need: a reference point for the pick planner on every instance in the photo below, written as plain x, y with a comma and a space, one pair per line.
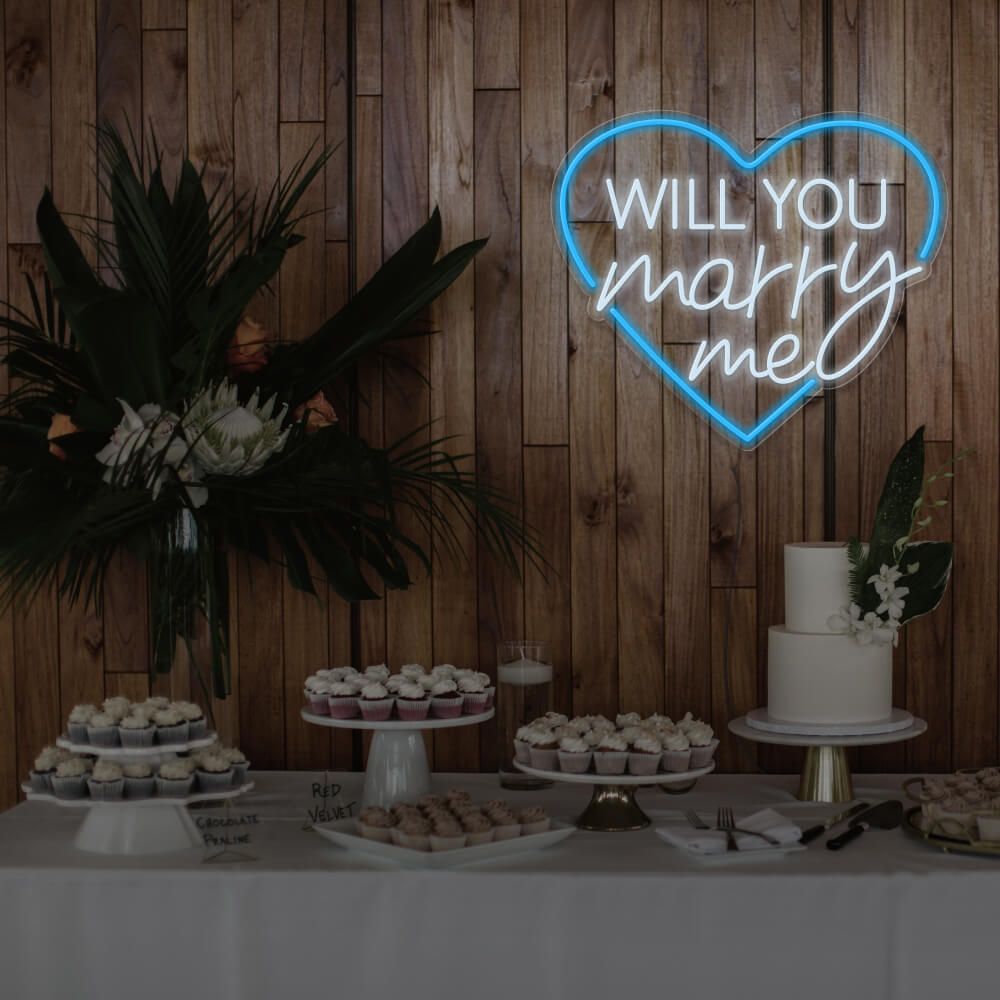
634, 496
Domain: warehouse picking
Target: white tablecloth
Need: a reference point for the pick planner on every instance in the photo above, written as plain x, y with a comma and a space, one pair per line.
600, 915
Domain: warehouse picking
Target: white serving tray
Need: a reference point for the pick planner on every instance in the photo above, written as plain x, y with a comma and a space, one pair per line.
151, 801
119, 752
726, 857
343, 832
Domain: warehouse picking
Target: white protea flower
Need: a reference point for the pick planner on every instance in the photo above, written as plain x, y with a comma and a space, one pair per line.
230, 438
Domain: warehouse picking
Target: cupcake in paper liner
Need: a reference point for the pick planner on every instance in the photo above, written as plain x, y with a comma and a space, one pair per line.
447, 835
102, 730
79, 719
139, 780
136, 731
106, 782
644, 758
45, 767
414, 832
317, 692
175, 779
239, 763
376, 823
534, 819
473, 693
117, 707
676, 755
342, 701
703, 743
215, 773
543, 747
611, 754
412, 701
506, 825
171, 726
195, 718
574, 755
489, 687
522, 748
478, 829
70, 779
375, 702
446, 699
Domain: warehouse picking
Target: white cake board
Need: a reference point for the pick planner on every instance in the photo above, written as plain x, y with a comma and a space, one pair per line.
898, 719
741, 727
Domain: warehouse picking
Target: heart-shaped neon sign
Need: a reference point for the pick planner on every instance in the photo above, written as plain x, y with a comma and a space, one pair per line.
662, 204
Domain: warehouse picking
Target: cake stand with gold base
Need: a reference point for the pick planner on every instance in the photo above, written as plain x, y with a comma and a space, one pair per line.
612, 807
825, 774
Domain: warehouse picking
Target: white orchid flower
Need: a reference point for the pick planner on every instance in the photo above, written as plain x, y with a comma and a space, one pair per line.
894, 603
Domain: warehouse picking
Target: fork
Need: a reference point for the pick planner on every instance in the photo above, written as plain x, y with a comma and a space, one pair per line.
725, 820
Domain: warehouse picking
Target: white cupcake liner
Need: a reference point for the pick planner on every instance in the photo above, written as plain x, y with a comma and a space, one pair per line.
413, 709
72, 787
377, 709
676, 761
446, 708
167, 735
106, 791
610, 761
319, 704
343, 707
439, 843
174, 788
507, 832
474, 702
473, 839
544, 760
139, 788
575, 762
702, 756
197, 728
539, 826
415, 841
104, 736
137, 737
522, 751
214, 781
643, 764
383, 834
240, 772
41, 781
78, 732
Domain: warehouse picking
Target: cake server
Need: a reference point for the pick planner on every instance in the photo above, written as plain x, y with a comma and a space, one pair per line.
820, 828
884, 816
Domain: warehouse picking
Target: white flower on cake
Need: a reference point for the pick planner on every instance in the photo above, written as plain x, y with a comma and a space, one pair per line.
233, 439
866, 629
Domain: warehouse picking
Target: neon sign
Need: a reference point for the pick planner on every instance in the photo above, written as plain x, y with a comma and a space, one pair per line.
868, 279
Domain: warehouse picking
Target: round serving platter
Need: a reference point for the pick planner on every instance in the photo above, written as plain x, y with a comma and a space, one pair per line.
140, 753
899, 719
612, 806
913, 824
160, 801
396, 725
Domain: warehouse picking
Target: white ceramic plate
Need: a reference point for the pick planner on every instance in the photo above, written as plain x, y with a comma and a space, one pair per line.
397, 725
343, 832
725, 857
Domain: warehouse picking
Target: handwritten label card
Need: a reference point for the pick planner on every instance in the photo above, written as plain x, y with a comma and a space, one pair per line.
328, 804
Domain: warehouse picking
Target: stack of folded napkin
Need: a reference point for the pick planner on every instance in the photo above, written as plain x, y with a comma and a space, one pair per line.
714, 841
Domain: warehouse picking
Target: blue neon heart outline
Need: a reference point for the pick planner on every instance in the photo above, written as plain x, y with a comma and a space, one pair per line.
828, 123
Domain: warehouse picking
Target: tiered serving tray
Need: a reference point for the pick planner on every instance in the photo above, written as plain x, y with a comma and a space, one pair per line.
397, 762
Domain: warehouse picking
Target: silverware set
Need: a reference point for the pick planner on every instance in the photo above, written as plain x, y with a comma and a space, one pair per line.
726, 821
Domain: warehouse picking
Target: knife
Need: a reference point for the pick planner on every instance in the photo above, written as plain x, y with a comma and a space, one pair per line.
884, 816
820, 828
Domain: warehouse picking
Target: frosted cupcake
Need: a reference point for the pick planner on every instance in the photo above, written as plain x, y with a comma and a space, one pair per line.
412, 701
175, 779
139, 780
676, 755
239, 763
394, 682
78, 720
377, 672
413, 832
574, 755
478, 829
215, 773
102, 730
446, 700
412, 670
106, 782
171, 726
136, 731
533, 819
45, 767
644, 758
522, 748
375, 702
343, 700
195, 717
489, 687
317, 692
444, 670
117, 708
611, 755
543, 748
473, 695
506, 825
70, 779
375, 823
622, 720
703, 743
447, 835
156, 703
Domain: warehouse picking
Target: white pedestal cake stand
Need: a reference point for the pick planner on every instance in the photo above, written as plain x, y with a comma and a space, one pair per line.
612, 806
397, 762
825, 774
138, 826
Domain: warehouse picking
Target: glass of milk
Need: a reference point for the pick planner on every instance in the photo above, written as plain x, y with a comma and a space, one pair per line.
524, 692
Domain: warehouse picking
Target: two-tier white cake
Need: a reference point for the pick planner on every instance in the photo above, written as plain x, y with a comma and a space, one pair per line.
814, 675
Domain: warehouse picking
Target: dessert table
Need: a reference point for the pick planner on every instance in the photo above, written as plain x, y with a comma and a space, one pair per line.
598, 915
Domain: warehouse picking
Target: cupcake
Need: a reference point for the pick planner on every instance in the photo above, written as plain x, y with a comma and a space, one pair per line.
411, 670
317, 692
45, 767
377, 672
106, 782
446, 701
215, 773
171, 726
522, 748
429, 801
644, 757
78, 720
703, 744
627, 719
447, 835
343, 700
117, 708
102, 730
506, 825
139, 780
478, 829
427, 681
413, 832
473, 695
376, 824
394, 682
533, 819
574, 755
339, 674
152, 705
195, 717
553, 719
175, 779
444, 670
456, 795
676, 755
412, 701
543, 748
239, 763
136, 731
611, 755
375, 702
70, 779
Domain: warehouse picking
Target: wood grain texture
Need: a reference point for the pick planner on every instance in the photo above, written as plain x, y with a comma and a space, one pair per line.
210, 88
164, 14
880, 84
164, 112
337, 119
368, 47
497, 46
778, 54
301, 61
734, 672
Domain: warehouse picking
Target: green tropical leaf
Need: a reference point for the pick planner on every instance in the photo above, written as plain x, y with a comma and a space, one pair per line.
928, 584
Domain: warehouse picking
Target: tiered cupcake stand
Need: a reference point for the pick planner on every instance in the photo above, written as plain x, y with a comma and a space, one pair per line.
826, 776
612, 806
397, 762
138, 826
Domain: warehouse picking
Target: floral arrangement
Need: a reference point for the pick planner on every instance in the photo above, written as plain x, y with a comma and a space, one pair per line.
894, 578
151, 412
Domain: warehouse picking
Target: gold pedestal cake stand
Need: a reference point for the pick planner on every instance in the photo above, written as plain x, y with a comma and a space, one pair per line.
825, 775
612, 807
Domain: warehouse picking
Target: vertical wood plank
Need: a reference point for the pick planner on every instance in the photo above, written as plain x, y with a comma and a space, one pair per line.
778, 59
164, 112
338, 96
451, 111
28, 118
134, 686
498, 359
126, 614
543, 267
301, 61
974, 594
164, 14
741, 668
368, 48
880, 85
497, 24
210, 88
9, 777
593, 514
